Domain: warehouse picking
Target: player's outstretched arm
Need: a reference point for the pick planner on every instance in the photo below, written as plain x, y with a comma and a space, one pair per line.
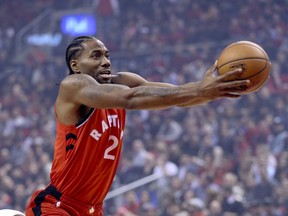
210, 87
81, 89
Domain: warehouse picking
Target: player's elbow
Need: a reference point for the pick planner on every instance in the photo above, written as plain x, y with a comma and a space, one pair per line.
130, 102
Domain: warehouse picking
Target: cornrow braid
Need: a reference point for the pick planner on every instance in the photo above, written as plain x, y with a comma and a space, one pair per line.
74, 50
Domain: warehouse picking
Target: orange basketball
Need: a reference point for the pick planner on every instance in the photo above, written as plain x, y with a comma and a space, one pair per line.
249, 56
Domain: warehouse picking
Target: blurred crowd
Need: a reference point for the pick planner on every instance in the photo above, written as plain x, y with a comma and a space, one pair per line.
228, 157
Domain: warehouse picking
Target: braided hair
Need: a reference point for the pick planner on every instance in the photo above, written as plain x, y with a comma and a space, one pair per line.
74, 49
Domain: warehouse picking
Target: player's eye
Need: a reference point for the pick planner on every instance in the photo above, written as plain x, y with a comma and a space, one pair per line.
96, 55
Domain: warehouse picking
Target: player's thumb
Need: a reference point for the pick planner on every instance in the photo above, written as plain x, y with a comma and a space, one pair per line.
212, 69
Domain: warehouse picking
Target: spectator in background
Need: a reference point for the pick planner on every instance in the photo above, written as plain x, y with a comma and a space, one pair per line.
279, 136
215, 208
106, 12
169, 130
139, 162
164, 167
146, 203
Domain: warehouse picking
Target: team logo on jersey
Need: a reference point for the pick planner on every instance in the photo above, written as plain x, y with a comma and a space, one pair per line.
112, 121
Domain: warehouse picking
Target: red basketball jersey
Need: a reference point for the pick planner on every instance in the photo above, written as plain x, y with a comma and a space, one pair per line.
86, 155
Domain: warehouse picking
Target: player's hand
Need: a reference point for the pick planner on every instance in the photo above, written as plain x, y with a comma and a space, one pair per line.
214, 86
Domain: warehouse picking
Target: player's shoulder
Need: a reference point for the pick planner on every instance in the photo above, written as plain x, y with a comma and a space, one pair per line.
128, 78
77, 81
126, 74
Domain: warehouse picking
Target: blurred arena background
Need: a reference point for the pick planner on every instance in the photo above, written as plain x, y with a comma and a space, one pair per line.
229, 157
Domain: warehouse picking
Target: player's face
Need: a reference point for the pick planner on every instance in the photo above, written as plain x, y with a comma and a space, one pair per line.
95, 62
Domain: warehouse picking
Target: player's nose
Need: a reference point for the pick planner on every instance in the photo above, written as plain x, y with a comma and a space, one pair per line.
105, 62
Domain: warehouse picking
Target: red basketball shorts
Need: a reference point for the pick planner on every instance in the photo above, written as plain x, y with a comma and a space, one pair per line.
50, 202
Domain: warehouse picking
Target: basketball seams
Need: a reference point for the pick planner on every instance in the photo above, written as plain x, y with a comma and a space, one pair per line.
243, 60
259, 85
258, 72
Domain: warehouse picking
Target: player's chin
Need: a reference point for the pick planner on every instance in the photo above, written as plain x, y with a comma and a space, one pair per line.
104, 81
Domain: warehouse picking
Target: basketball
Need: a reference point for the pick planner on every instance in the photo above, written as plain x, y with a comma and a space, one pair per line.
249, 56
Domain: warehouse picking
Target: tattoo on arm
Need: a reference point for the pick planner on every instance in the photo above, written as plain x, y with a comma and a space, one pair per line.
94, 93
82, 81
157, 91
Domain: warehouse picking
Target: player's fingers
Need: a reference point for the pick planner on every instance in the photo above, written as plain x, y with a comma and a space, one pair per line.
232, 95
237, 88
238, 84
232, 75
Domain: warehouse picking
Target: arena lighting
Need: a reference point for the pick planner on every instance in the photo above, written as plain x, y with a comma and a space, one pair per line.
78, 24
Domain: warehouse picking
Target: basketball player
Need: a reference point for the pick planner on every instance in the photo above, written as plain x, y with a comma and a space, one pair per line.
90, 114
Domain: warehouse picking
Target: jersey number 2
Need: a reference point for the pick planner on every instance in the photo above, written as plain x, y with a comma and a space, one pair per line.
114, 145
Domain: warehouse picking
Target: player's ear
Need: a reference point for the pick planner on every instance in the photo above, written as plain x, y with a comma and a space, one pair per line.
74, 66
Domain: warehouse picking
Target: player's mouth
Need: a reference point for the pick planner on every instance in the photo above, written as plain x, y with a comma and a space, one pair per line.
105, 74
